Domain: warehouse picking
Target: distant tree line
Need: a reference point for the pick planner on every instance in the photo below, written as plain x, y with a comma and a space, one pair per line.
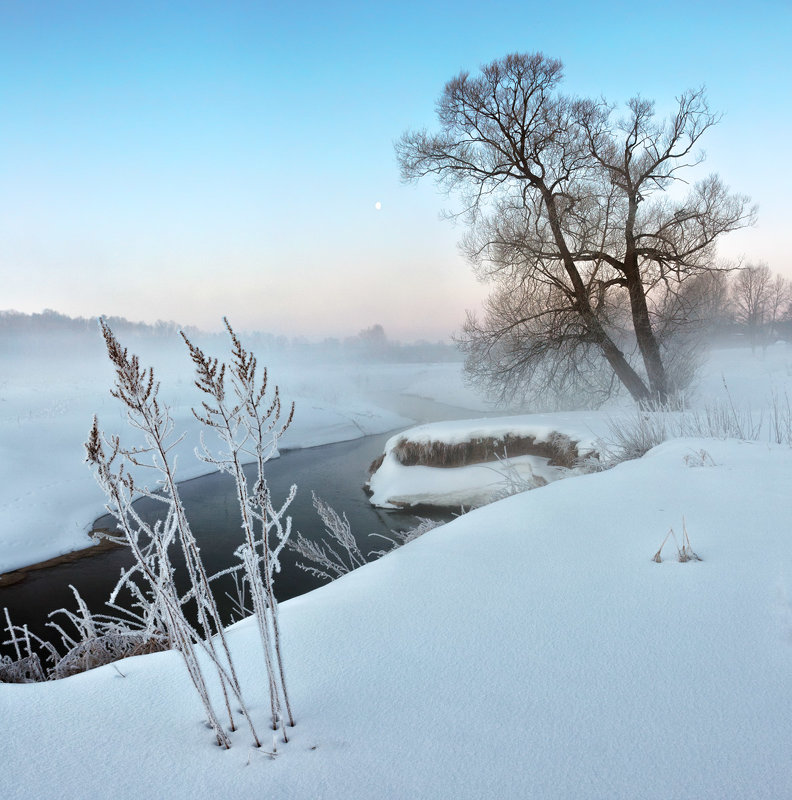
16, 323
369, 344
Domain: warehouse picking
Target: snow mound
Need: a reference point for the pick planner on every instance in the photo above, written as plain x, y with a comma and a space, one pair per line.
472, 462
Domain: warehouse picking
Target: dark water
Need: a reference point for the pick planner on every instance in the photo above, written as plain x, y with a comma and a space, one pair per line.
336, 472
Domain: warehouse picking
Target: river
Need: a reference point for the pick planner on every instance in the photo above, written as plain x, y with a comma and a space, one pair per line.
336, 472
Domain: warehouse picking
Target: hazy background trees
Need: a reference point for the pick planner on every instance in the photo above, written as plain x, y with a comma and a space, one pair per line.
22, 333
570, 219
761, 302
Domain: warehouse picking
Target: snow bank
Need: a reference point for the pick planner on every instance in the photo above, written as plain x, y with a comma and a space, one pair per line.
578, 426
527, 649
396, 484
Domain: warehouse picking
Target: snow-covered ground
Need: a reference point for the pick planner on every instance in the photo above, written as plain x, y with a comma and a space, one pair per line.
395, 486
530, 648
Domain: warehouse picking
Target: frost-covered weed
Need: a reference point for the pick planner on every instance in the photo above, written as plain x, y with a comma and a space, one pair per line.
247, 421
248, 428
87, 640
781, 419
699, 458
337, 552
631, 436
399, 538
26, 667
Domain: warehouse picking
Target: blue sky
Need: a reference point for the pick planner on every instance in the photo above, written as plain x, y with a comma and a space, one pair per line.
192, 160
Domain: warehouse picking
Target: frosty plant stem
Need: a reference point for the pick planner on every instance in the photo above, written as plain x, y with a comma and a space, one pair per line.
238, 425
249, 428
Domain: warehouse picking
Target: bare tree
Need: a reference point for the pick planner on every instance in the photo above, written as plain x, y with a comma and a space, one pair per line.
706, 301
751, 295
779, 304
570, 220
761, 300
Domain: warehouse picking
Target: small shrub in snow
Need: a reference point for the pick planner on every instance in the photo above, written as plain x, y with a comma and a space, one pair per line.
96, 640
631, 436
102, 639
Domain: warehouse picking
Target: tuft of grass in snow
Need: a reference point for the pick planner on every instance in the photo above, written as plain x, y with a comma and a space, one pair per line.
781, 419
96, 640
684, 551
631, 436
699, 458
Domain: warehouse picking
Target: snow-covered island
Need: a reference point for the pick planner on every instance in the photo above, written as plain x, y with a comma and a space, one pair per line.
472, 462
530, 648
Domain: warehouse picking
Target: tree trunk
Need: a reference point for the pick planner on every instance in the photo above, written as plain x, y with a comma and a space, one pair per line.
624, 372
642, 325
630, 379
647, 342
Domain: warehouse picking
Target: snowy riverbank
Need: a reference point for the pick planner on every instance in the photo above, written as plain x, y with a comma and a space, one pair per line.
472, 462
48, 498
530, 648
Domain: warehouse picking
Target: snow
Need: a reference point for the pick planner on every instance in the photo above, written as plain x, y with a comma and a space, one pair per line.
530, 648
522, 650
579, 426
394, 485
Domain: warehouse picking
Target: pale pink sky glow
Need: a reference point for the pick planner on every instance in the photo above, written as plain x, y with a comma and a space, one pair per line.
186, 163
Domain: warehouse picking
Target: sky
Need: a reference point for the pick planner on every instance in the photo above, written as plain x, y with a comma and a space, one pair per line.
186, 161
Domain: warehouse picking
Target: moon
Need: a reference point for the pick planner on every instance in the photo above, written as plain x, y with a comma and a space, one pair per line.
378, 205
